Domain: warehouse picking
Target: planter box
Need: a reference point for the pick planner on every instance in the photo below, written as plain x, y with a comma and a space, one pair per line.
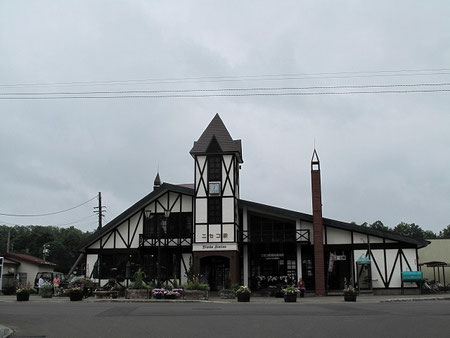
290, 298
137, 294
46, 293
23, 297
196, 294
243, 297
350, 297
227, 294
76, 296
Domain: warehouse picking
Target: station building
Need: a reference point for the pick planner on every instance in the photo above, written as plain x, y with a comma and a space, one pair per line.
207, 226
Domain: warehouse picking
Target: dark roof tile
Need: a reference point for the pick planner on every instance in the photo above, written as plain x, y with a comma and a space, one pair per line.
217, 132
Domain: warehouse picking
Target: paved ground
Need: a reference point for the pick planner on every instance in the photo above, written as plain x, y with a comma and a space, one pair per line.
370, 316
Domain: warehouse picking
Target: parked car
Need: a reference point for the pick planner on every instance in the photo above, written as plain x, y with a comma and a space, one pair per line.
48, 277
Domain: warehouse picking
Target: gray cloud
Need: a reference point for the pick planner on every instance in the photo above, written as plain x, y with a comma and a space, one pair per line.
383, 156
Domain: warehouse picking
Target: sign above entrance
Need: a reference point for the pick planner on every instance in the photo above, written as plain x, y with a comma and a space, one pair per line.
215, 247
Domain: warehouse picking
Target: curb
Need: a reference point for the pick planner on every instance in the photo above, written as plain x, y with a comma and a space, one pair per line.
392, 300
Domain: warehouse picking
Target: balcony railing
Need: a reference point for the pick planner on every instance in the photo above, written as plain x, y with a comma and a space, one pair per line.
299, 236
152, 241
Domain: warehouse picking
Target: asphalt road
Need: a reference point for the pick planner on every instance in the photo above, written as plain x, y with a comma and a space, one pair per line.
105, 319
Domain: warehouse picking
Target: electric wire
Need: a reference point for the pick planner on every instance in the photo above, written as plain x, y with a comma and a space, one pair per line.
398, 85
50, 213
227, 95
228, 78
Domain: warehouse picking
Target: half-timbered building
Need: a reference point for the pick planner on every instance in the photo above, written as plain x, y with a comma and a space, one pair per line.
208, 226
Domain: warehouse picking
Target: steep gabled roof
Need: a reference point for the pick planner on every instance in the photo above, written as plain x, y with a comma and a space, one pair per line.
27, 258
216, 138
136, 207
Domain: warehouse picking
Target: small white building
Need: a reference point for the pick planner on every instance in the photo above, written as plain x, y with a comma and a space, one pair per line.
207, 224
21, 269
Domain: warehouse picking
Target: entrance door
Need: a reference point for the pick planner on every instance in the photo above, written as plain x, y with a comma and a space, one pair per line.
215, 270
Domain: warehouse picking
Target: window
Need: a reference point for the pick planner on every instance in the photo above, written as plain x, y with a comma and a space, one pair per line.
214, 168
214, 210
214, 188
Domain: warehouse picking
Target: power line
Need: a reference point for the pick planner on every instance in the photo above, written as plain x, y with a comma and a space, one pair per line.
81, 220
227, 78
438, 84
227, 95
50, 213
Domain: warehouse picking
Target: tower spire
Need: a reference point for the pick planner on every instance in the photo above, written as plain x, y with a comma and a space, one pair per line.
319, 259
157, 181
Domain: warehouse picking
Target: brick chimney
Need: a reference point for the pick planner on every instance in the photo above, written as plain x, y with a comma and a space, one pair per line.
319, 260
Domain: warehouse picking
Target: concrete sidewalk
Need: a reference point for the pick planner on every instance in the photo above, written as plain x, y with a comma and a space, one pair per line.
309, 299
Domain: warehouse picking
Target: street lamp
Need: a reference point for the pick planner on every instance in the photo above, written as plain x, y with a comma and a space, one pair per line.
163, 224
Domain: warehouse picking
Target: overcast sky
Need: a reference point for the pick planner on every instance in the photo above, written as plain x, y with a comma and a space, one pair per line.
383, 156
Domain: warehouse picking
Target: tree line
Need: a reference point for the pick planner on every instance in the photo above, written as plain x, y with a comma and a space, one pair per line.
409, 229
63, 243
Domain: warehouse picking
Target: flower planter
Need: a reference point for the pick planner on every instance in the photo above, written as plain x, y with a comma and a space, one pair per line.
243, 297
137, 294
228, 294
46, 293
23, 297
291, 298
350, 296
196, 294
76, 296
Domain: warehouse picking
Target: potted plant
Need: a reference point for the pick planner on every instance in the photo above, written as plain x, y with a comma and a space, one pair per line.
46, 290
350, 293
290, 294
139, 288
76, 294
23, 294
243, 294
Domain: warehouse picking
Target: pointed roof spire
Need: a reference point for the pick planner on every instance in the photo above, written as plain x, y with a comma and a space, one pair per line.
157, 182
315, 162
216, 137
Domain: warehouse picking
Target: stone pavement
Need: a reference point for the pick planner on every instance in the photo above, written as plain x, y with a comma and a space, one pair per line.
309, 299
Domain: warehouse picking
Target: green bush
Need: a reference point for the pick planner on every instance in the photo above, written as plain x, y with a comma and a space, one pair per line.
196, 286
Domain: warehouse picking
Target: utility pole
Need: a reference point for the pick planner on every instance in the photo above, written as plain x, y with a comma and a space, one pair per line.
100, 210
9, 239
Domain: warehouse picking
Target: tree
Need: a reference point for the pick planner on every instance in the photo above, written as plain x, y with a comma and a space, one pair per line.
445, 233
409, 230
428, 234
63, 243
378, 225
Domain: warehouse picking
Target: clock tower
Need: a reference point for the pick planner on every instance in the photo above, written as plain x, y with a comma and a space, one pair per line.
217, 160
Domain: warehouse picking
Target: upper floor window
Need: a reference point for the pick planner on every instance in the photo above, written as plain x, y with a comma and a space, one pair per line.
214, 168
214, 210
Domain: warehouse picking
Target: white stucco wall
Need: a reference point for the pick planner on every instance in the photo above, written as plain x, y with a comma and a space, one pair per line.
201, 233
338, 236
201, 207
227, 209
90, 262
229, 230
215, 234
